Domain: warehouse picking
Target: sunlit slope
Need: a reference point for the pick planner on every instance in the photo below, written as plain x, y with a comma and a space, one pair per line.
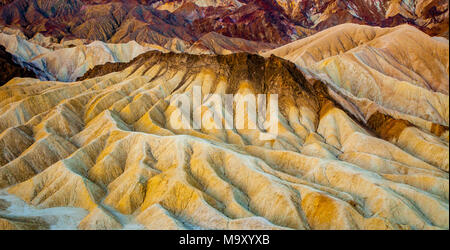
70, 62
401, 71
110, 145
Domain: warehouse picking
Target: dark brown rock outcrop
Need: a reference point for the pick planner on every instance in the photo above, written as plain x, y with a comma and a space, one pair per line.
10, 69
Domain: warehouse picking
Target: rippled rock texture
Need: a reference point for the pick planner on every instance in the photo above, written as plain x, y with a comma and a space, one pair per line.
68, 60
109, 143
400, 72
164, 22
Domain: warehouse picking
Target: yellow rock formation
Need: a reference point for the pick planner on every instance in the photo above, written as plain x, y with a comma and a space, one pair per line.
110, 145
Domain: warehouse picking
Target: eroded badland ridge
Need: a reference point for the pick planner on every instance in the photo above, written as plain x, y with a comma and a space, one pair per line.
108, 114
107, 144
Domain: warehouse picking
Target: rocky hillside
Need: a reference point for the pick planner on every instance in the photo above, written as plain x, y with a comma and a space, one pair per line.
161, 22
68, 60
430, 16
397, 71
10, 69
116, 146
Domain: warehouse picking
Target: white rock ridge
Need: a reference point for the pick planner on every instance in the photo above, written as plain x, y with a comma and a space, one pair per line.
68, 63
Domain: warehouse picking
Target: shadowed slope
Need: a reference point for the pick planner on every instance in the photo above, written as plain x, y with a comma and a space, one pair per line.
11, 69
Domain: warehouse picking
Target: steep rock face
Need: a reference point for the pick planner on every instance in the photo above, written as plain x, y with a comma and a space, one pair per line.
20, 47
431, 16
119, 151
400, 72
159, 22
11, 69
69, 63
251, 21
222, 45
107, 20
172, 5
68, 60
